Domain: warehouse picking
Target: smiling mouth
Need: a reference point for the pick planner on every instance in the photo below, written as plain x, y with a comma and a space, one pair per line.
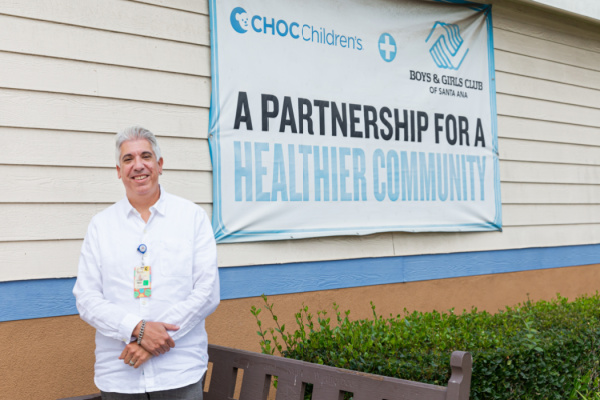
139, 178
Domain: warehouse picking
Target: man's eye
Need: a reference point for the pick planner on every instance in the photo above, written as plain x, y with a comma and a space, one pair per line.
127, 159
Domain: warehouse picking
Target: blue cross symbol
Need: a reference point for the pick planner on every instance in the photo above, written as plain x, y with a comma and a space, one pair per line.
387, 47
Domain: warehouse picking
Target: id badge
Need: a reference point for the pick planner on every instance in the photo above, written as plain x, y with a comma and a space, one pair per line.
142, 282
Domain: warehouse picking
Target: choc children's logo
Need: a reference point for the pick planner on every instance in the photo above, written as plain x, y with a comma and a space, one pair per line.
243, 22
239, 20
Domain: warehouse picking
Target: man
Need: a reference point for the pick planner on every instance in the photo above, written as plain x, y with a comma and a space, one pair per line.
147, 280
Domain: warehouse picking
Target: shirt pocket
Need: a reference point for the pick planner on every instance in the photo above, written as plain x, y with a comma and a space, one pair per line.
176, 258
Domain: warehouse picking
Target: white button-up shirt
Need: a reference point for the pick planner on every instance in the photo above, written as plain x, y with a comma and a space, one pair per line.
185, 290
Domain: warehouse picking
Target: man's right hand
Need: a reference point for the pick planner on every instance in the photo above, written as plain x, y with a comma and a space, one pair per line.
156, 340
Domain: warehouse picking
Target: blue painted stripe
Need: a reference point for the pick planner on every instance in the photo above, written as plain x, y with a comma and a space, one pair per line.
238, 282
52, 297
38, 298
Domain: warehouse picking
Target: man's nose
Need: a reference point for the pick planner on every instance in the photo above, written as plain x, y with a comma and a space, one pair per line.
138, 164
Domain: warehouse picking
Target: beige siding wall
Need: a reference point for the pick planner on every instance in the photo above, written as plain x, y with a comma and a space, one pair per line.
72, 73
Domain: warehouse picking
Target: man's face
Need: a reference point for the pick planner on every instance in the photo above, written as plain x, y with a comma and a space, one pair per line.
139, 168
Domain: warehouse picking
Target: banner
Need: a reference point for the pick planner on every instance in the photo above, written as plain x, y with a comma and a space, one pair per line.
351, 117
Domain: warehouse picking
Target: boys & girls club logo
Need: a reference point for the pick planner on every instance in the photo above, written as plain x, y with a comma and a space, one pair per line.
448, 49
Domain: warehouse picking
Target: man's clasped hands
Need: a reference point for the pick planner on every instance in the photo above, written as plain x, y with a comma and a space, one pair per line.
155, 341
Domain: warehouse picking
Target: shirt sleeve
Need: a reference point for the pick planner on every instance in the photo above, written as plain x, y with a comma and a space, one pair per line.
108, 318
205, 295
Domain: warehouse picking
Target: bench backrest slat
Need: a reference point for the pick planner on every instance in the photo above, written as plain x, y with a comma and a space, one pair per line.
329, 383
223, 377
255, 384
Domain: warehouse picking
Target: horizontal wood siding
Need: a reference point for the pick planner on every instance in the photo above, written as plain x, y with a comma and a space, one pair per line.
129, 17
55, 75
32, 184
80, 71
115, 48
49, 147
195, 6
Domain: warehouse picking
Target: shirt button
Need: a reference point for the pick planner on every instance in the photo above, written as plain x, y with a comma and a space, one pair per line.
144, 302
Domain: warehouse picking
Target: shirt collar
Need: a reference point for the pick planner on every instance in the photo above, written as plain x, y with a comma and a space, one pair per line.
159, 207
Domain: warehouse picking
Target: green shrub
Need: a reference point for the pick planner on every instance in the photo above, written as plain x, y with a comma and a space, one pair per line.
542, 350
587, 387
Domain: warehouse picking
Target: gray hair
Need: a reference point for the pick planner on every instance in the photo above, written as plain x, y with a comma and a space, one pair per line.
134, 133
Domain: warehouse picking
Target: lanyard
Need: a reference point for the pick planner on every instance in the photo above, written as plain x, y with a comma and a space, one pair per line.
142, 248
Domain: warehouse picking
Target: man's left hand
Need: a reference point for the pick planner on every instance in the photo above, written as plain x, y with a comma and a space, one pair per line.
134, 355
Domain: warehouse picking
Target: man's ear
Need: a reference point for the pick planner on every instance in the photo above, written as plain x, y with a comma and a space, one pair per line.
160, 166
119, 172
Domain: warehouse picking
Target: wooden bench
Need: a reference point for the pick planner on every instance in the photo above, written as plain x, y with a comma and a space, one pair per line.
243, 375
